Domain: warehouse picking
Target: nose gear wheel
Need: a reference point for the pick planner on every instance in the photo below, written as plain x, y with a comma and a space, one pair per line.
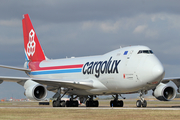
142, 102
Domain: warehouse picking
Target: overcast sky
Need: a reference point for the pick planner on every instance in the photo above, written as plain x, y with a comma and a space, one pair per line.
82, 28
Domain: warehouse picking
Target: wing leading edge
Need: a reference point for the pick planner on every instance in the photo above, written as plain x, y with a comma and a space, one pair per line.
70, 83
16, 68
176, 80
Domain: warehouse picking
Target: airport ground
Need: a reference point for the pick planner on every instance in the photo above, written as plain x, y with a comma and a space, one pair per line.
32, 110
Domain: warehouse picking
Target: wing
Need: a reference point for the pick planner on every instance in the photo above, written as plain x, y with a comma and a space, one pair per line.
13, 79
68, 83
16, 68
54, 83
176, 80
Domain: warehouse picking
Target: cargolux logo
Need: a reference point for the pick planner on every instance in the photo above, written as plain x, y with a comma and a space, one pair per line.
101, 67
31, 44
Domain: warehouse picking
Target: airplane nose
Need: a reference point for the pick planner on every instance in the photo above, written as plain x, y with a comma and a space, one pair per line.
158, 71
150, 70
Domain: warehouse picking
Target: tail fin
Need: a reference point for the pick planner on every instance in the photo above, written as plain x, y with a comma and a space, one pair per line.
33, 49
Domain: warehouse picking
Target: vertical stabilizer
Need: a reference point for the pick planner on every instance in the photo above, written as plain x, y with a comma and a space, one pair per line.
33, 49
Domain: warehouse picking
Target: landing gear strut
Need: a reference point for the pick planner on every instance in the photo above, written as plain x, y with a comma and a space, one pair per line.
59, 102
62, 103
142, 102
116, 102
91, 102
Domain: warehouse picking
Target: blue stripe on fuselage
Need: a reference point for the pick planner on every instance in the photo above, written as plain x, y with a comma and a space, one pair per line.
56, 71
26, 57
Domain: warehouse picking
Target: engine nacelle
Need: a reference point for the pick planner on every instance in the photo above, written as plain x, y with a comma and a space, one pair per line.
164, 92
178, 90
36, 92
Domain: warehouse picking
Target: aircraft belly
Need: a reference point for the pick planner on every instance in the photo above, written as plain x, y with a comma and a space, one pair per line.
130, 86
89, 92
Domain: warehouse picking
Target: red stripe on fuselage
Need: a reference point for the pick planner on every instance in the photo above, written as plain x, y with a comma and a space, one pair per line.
34, 66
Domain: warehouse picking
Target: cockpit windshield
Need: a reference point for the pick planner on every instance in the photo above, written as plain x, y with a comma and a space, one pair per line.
145, 52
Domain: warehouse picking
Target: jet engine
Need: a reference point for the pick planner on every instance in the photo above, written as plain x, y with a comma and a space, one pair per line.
164, 92
36, 92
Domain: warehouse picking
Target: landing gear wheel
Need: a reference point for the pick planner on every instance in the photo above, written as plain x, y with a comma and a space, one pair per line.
138, 103
94, 103
87, 104
116, 103
121, 103
68, 103
57, 103
72, 103
75, 103
53, 103
62, 103
111, 103
144, 103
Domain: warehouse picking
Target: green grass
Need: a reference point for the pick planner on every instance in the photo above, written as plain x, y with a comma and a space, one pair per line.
48, 112
88, 114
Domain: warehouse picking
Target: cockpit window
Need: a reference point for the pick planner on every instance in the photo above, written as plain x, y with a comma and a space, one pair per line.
145, 52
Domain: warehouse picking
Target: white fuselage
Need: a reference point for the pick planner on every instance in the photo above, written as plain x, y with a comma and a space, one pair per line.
125, 70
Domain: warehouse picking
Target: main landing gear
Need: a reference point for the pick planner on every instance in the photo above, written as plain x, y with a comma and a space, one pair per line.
91, 102
58, 102
62, 103
116, 102
72, 103
142, 102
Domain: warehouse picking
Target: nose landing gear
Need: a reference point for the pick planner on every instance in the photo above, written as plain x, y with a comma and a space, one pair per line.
142, 102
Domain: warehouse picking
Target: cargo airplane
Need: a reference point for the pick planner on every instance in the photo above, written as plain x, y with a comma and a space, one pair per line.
133, 69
